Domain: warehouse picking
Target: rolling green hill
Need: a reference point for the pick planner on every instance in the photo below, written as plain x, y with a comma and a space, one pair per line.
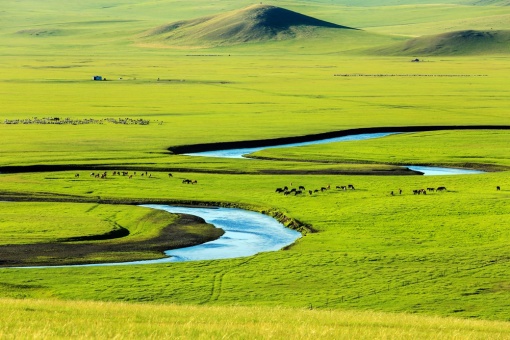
252, 24
492, 2
468, 42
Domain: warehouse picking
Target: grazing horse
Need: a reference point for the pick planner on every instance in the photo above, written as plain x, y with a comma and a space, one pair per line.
498, 188
441, 189
78, 175
310, 192
323, 189
279, 190
185, 181
170, 175
301, 187
350, 186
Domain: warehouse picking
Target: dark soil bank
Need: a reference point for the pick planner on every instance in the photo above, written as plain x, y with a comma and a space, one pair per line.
68, 252
181, 149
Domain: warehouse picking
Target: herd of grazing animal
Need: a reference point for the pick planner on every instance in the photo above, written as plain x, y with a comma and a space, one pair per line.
69, 121
104, 175
302, 190
424, 192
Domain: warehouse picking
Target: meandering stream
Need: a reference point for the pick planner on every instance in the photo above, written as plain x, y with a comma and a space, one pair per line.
248, 233
242, 152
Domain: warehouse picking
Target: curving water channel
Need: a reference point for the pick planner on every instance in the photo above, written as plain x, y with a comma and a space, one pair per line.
437, 171
426, 170
240, 153
246, 233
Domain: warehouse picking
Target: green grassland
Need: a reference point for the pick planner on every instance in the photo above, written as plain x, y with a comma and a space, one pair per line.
239, 102
440, 254
35, 223
479, 149
443, 253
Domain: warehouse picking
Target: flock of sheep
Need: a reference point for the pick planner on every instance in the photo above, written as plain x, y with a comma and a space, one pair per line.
69, 121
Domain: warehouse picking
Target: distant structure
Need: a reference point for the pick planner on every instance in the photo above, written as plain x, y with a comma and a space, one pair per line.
97, 78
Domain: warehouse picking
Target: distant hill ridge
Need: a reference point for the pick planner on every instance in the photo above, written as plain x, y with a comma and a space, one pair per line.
254, 23
492, 2
466, 42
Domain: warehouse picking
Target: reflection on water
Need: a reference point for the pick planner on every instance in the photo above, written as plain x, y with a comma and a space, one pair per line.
435, 171
246, 233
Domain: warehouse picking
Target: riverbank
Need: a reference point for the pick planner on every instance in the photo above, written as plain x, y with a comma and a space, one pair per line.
115, 247
186, 231
204, 147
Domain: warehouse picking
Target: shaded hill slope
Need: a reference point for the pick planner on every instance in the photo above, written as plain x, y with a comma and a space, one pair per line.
252, 24
491, 2
468, 42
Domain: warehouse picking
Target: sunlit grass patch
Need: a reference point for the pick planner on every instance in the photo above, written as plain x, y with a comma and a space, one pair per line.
50, 319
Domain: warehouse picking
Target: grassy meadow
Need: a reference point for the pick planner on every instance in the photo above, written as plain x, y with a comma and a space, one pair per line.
38, 317
443, 255
479, 149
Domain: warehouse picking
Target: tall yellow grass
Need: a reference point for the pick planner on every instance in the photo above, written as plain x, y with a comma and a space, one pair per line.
52, 319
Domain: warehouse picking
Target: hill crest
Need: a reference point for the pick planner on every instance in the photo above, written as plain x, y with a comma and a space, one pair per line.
251, 24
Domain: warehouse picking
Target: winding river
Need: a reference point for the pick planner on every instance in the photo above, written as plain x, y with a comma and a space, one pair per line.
240, 153
426, 170
248, 233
